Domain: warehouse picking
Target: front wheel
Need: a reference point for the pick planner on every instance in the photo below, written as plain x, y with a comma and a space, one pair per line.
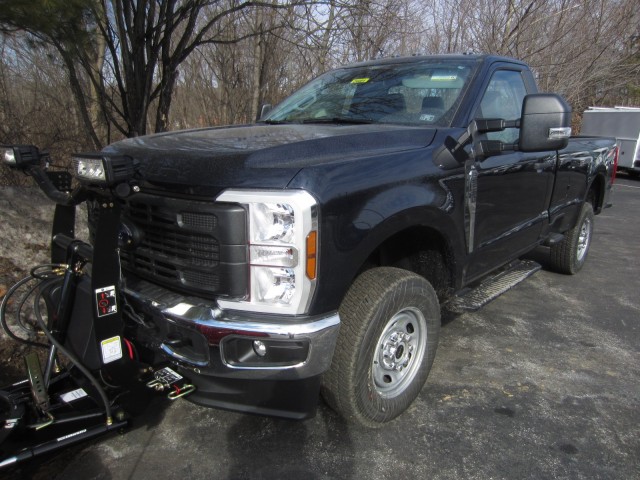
570, 254
390, 322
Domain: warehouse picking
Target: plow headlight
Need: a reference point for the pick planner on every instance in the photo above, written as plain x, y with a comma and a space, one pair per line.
90, 169
103, 170
20, 156
8, 156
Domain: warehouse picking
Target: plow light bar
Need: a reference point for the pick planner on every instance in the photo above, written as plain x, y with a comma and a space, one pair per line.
102, 170
20, 157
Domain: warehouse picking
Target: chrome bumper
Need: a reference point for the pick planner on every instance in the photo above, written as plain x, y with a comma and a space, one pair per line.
219, 341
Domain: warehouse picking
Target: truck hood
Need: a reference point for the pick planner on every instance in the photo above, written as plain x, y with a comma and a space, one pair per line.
259, 156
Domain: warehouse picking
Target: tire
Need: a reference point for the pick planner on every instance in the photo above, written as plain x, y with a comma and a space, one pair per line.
570, 255
390, 323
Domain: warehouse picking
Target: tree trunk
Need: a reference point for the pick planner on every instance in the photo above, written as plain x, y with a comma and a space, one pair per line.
76, 88
258, 58
164, 100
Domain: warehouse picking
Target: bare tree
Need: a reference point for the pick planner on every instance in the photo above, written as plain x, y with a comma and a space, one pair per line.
578, 48
145, 40
134, 66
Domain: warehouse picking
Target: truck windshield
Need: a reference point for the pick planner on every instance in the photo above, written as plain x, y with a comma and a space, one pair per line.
416, 93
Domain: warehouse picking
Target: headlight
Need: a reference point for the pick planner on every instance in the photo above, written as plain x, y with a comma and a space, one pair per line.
20, 156
9, 156
89, 169
282, 250
272, 222
103, 170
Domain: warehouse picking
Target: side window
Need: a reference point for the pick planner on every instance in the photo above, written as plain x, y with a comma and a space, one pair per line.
503, 99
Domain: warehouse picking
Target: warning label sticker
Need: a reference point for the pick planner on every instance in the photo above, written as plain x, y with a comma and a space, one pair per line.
106, 301
73, 395
167, 376
111, 349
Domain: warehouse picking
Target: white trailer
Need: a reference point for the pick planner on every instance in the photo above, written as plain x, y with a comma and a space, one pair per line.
623, 123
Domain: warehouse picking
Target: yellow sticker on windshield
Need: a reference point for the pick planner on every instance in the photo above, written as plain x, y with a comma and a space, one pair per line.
360, 80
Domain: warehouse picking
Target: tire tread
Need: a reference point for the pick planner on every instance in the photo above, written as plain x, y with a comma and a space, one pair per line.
562, 256
374, 290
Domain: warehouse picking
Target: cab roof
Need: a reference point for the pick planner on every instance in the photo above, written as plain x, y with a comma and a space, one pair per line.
480, 58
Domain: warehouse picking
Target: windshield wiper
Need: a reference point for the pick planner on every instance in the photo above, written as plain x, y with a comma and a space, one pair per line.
338, 120
276, 122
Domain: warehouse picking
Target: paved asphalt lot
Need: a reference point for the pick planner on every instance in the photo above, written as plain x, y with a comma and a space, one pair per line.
542, 383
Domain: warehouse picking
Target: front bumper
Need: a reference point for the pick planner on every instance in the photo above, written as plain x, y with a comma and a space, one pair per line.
198, 336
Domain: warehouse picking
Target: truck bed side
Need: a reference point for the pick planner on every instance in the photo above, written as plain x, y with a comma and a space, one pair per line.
584, 172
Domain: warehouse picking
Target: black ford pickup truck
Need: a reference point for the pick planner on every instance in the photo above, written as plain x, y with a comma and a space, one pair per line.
312, 251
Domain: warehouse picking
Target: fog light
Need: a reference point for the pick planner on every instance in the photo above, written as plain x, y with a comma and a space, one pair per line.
240, 352
260, 348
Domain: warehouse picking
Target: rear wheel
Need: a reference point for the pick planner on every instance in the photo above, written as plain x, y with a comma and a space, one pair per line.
390, 321
570, 255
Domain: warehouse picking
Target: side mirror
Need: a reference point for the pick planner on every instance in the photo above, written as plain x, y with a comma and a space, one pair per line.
545, 123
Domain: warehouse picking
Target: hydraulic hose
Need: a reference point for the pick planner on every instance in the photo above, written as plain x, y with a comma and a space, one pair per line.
45, 278
3, 309
85, 371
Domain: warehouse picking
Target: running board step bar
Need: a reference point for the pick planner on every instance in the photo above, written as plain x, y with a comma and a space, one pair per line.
491, 288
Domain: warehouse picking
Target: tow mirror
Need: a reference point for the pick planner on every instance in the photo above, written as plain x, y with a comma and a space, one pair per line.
545, 123
544, 126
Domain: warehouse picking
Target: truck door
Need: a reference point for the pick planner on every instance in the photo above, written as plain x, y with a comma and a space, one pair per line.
511, 189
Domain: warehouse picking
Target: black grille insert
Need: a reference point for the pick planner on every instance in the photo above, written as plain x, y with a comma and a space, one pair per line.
191, 246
